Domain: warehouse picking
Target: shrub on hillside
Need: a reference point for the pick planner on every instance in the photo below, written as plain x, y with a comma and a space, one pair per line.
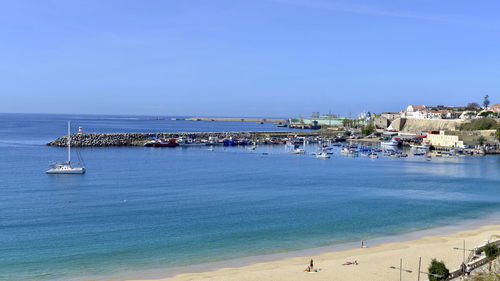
480, 124
438, 268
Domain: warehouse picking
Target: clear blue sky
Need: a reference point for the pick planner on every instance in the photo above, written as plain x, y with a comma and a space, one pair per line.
251, 58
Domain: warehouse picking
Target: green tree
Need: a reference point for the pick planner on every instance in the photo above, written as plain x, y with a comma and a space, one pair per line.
472, 106
471, 114
491, 251
439, 268
486, 101
486, 113
481, 140
367, 130
345, 122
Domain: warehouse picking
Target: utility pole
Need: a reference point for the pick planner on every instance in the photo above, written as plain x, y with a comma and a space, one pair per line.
433, 274
419, 262
400, 269
464, 252
463, 249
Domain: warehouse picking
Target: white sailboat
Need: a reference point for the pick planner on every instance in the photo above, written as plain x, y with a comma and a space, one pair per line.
65, 167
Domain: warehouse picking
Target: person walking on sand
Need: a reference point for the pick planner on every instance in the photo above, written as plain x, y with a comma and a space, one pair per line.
311, 264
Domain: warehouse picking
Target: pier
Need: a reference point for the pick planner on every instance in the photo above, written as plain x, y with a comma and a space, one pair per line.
236, 119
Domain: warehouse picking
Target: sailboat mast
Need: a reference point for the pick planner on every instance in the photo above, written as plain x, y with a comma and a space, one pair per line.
69, 144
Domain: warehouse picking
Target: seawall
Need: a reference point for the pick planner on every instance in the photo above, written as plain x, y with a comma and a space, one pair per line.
139, 139
238, 119
422, 125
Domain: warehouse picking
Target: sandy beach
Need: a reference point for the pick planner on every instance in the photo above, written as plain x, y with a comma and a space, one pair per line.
374, 262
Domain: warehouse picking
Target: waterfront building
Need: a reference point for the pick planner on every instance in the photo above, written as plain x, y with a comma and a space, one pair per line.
320, 120
444, 140
391, 116
325, 120
367, 116
459, 139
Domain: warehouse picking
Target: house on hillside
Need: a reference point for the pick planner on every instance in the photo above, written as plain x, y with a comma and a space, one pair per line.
415, 111
426, 112
494, 108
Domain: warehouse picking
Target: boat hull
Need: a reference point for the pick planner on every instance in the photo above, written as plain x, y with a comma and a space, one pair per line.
66, 171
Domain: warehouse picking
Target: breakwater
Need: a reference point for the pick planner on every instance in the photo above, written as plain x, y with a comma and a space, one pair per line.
236, 119
139, 139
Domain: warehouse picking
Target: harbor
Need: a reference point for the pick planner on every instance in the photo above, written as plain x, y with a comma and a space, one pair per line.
146, 197
173, 139
275, 140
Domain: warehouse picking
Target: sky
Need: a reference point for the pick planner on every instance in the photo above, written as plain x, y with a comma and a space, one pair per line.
274, 58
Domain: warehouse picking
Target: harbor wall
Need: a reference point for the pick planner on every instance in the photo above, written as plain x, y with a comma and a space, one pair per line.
423, 125
238, 119
139, 139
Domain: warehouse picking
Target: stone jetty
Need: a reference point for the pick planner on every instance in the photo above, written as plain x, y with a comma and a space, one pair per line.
139, 139
236, 119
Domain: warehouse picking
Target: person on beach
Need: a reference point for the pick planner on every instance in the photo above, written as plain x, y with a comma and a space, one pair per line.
467, 270
462, 269
363, 244
310, 267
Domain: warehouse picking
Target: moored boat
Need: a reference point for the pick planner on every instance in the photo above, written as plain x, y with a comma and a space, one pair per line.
162, 143
322, 155
65, 167
392, 142
298, 151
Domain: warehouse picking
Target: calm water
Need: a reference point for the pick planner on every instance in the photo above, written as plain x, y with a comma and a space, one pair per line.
141, 208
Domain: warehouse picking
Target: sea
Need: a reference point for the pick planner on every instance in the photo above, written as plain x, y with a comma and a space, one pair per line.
158, 210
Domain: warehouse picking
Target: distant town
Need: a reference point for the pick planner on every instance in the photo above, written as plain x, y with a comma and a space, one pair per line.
440, 126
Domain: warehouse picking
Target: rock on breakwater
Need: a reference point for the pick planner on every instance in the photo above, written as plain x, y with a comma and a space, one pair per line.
139, 139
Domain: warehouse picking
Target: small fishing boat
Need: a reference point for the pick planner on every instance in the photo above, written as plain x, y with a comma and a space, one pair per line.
298, 151
162, 143
184, 142
392, 142
423, 146
229, 142
322, 155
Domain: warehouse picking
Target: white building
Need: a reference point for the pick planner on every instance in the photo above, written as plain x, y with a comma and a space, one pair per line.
415, 111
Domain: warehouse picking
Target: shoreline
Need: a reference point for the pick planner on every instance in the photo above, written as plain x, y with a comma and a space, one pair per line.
290, 265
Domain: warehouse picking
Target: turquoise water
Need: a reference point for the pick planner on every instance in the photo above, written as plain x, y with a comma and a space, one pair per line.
140, 209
